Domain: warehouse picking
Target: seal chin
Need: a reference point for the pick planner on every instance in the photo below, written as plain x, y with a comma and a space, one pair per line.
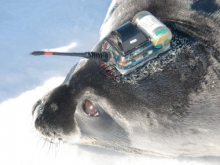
56, 135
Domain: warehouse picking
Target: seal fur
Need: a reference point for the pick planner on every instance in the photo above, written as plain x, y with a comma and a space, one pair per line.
174, 111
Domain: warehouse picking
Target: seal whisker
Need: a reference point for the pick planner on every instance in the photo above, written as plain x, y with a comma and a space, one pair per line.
50, 143
33, 130
40, 138
57, 145
56, 149
45, 141
48, 147
53, 149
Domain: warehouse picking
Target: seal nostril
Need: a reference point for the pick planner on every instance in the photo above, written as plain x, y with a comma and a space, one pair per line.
54, 107
35, 106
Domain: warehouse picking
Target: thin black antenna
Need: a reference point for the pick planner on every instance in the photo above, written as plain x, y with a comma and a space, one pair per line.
103, 56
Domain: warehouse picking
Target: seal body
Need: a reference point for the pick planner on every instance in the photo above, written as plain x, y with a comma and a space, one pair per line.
172, 110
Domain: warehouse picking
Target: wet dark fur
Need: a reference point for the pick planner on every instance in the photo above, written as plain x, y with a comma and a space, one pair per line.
177, 110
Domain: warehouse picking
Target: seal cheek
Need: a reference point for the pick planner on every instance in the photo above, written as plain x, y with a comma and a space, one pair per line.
98, 127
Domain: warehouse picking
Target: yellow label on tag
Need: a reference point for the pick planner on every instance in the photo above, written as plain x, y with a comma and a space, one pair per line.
150, 22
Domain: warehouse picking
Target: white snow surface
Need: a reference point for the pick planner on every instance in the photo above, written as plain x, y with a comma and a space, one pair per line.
53, 25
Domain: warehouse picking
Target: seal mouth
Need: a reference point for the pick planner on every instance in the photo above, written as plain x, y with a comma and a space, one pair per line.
50, 135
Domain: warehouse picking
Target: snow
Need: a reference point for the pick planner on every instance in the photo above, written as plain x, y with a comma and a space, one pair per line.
53, 25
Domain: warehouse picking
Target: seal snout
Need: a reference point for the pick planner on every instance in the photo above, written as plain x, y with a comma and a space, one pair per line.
43, 113
38, 103
54, 115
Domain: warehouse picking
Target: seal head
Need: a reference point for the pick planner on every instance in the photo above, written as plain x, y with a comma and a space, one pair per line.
170, 107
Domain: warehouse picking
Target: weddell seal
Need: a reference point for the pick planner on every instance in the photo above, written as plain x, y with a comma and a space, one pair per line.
169, 107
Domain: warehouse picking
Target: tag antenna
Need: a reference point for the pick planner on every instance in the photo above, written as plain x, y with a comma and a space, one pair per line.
103, 56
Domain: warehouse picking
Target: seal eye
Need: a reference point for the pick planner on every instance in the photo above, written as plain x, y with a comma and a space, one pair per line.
90, 109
